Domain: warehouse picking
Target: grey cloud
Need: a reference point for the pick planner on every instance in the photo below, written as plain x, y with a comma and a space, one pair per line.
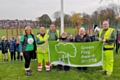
30, 9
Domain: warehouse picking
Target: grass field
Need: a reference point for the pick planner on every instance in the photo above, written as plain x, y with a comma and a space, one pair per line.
15, 70
35, 31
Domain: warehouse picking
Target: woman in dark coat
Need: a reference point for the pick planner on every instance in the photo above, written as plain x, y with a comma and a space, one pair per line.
82, 37
27, 48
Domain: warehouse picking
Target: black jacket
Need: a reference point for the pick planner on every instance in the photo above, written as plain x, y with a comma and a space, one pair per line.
4, 45
66, 39
85, 38
63, 39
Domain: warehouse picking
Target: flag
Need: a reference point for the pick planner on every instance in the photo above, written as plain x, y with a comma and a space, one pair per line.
83, 54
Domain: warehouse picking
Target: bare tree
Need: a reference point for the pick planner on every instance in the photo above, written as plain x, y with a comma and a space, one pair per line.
105, 0
67, 20
115, 8
56, 16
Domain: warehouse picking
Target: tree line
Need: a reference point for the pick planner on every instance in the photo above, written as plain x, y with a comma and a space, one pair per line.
110, 12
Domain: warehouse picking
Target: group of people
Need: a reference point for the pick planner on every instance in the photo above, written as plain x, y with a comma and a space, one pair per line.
12, 46
30, 44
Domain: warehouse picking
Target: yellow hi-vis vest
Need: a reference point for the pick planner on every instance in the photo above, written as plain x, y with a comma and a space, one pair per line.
58, 33
42, 48
107, 35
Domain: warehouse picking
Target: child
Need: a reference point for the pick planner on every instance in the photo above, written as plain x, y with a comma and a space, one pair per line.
71, 39
63, 38
17, 43
12, 48
5, 45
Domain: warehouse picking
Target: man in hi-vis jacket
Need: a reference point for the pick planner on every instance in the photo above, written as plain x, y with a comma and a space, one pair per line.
107, 36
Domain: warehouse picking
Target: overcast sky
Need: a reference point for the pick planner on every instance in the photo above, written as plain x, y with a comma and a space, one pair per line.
31, 9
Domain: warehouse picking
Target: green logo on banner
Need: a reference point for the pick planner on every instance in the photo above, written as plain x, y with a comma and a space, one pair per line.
64, 53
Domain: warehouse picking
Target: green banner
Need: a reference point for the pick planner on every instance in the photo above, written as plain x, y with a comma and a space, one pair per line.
76, 54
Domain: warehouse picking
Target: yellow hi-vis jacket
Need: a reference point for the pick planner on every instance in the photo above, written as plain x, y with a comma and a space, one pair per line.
107, 35
42, 48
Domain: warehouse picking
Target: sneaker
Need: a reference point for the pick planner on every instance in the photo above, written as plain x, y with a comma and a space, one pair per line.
39, 68
28, 73
47, 68
84, 68
66, 68
79, 68
59, 67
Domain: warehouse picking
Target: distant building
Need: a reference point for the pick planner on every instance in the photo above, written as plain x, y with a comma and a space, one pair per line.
17, 23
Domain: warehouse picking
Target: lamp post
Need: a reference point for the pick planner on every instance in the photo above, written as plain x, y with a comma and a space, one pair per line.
62, 17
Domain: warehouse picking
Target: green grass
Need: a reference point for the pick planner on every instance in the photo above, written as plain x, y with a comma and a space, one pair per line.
15, 71
35, 31
3, 32
68, 30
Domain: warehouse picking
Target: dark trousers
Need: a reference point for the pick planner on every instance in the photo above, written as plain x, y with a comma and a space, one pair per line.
19, 57
13, 56
82, 68
34, 55
27, 56
117, 47
66, 68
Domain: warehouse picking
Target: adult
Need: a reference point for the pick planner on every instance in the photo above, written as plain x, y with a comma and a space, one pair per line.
82, 37
118, 41
42, 49
27, 48
53, 33
107, 36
